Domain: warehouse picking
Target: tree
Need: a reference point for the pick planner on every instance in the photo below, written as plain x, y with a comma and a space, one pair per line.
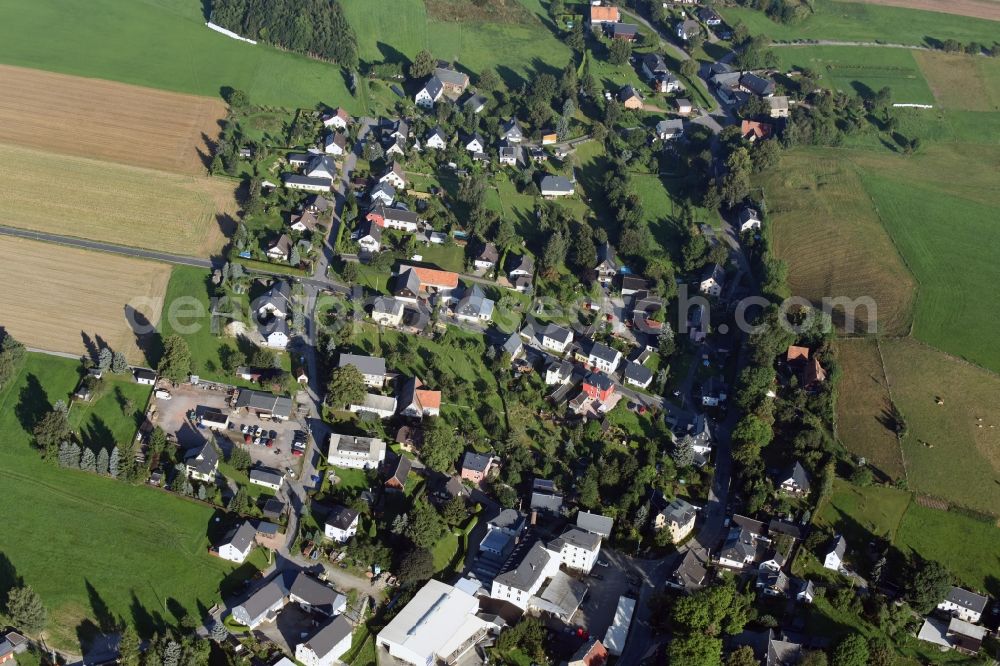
742, 656
119, 364
103, 461
11, 353
689, 68
25, 609
346, 386
554, 254
237, 98
417, 567
295, 257
51, 431
172, 654
240, 458
813, 658
239, 504
104, 358
455, 511
441, 449
426, 526
928, 585
175, 364
231, 358
750, 435
423, 64
488, 80
219, 634
526, 637
620, 51
695, 650
129, 652
683, 452
851, 651
88, 461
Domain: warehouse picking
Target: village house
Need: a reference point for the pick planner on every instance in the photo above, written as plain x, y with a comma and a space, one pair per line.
474, 144
688, 574
603, 14
598, 387
637, 375
263, 605
834, 558
238, 543
712, 280
752, 84
474, 306
670, 128
372, 368
369, 236
599, 356
486, 258
381, 406
341, 524
684, 106
395, 176
383, 193
144, 376
268, 478
578, 550
795, 481
387, 311
339, 119
607, 264
327, 645
545, 497
355, 452
306, 183
595, 523
778, 106
549, 137
335, 144
511, 131
551, 336
520, 270
963, 604
398, 473
748, 219
202, 462
393, 218
437, 139
474, 103
813, 375
264, 405
475, 466
413, 282
430, 93
280, 248
687, 29
678, 518
416, 401
630, 98
556, 186
752, 130
454, 81
558, 372
591, 653
511, 155
625, 31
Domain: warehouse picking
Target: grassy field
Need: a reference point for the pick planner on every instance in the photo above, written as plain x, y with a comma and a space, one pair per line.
66, 299
968, 547
110, 121
163, 44
852, 21
517, 50
961, 81
106, 419
822, 223
862, 70
88, 544
110, 202
947, 453
862, 405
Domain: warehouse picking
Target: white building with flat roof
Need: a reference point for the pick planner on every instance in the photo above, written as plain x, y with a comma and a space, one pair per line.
617, 635
355, 452
439, 624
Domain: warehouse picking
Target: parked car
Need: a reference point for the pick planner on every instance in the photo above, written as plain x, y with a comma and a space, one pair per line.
247, 439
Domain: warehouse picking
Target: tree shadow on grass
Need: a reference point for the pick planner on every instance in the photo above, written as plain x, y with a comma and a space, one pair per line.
96, 435
32, 404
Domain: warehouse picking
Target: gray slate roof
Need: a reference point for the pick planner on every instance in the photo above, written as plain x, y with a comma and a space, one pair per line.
341, 517
434, 86
241, 536
579, 538
475, 461
451, 76
367, 365
528, 570
266, 476
966, 599
637, 372
268, 402
329, 636
556, 184
595, 523
799, 476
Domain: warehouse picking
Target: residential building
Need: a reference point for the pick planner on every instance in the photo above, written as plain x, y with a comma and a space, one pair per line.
741, 547
591, 653
678, 518
387, 311
796, 480
383, 193
511, 131
625, 31
688, 574
430, 93
438, 624
598, 386
602, 14
748, 219
453, 81
382, 406
778, 106
372, 368
474, 306
954, 634
684, 106
303, 220
556, 338
399, 473
687, 29
268, 478
327, 645
773, 582
607, 264
486, 258
144, 376
595, 523
756, 85
519, 584
963, 604
712, 280
520, 266
369, 237
813, 375
412, 282
806, 593
631, 98
557, 186
558, 372
513, 346
475, 466
393, 218
263, 605
669, 129
238, 543
474, 144
834, 559
637, 375
320, 166
202, 462
437, 139
265, 405
577, 549
315, 596
474, 103
280, 249
306, 183
416, 401
341, 524
511, 155
709, 17
545, 497
395, 176
355, 452
653, 66
752, 130
602, 357
335, 144
339, 119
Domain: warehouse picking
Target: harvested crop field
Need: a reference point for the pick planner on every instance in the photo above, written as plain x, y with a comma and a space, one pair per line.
984, 9
863, 406
57, 297
127, 205
107, 120
961, 81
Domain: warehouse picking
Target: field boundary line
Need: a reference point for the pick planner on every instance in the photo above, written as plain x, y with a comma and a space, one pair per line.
892, 403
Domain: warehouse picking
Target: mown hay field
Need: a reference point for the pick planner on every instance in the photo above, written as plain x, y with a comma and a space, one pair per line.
952, 450
962, 81
106, 120
862, 407
75, 196
822, 223
57, 298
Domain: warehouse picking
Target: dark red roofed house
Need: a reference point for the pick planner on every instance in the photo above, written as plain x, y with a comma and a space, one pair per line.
598, 386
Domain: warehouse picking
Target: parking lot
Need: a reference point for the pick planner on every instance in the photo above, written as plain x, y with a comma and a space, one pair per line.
607, 584
173, 415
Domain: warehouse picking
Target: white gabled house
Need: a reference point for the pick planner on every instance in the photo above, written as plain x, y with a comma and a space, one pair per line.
327, 645
475, 144
335, 144
394, 176
834, 559
430, 93
712, 280
341, 524
437, 139
963, 604
749, 219
238, 543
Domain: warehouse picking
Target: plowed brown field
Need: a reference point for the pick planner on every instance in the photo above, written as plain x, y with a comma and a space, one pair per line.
105, 120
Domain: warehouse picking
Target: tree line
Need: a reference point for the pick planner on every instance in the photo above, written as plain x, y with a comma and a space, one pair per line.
316, 28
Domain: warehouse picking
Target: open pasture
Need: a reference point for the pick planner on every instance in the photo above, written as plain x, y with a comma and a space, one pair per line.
75, 196
57, 298
106, 120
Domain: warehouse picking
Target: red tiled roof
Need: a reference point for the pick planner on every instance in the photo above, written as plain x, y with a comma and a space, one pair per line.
600, 13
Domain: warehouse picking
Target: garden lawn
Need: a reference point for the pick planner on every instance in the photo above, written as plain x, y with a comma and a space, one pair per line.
862, 70
104, 421
89, 545
857, 21
165, 44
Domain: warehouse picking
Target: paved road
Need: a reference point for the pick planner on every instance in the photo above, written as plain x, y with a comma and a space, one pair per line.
106, 247
833, 42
